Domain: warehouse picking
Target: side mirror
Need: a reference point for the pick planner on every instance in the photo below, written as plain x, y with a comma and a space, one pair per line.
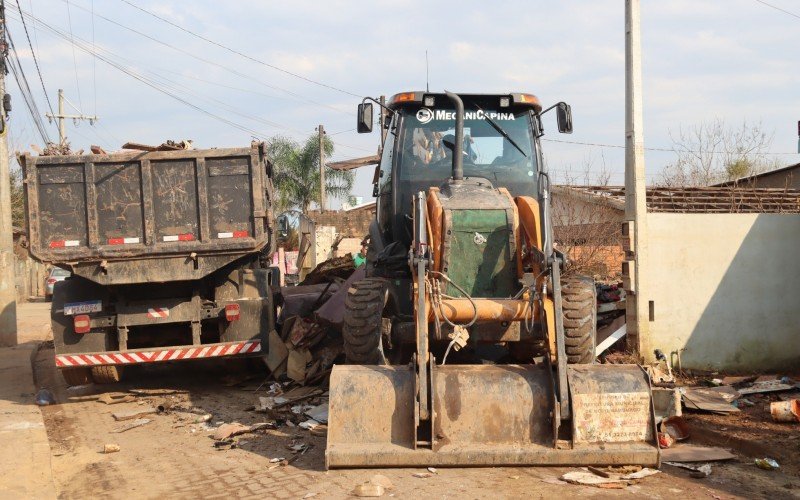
564, 118
364, 123
283, 226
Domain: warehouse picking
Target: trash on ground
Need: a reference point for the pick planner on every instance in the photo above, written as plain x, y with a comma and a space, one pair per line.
422, 475
382, 481
44, 397
676, 427
665, 440
368, 490
785, 411
132, 425
609, 477
710, 399
111, 398
698, 470
693, 453
225, 431
319, 413
767, 464
131, 414
111, 448
309, 424
433, 470
762, 386
81, 390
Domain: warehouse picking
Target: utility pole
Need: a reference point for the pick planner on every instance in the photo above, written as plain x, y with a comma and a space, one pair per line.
321, 131
61, 116
637, 310
8, 292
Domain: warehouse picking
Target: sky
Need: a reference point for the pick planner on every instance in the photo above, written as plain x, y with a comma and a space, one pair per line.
288, 66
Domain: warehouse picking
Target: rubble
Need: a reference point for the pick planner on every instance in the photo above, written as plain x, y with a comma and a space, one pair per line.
132, 425
131, 414
767, 464
111, 398
111, 448
785, 411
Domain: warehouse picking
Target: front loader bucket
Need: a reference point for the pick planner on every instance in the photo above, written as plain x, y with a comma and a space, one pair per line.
488, 415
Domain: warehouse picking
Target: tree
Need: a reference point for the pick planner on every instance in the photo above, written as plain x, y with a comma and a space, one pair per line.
17, 198
712, 152
296, 176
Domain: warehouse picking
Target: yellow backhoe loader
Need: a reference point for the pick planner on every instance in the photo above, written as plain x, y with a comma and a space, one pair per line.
465, 345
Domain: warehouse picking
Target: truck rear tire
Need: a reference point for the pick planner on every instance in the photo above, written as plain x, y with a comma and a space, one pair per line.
579, 305
362, 328
76, 376
106, 374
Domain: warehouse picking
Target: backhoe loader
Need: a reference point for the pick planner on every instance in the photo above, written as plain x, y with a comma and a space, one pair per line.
465, 346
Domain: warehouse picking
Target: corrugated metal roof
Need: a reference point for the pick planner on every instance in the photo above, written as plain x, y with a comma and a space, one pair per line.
716, 199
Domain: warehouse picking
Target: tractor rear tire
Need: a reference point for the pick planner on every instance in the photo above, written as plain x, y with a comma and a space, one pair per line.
106, 374
362, 328
579, 305
76, 376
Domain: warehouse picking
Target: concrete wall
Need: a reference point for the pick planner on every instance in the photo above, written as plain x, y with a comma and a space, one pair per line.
726, 288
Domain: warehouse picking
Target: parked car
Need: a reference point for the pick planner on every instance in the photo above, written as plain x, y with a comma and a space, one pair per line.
56, 274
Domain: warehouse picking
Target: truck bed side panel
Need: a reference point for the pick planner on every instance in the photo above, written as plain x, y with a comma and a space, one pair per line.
175, 199
118, 188
62, 205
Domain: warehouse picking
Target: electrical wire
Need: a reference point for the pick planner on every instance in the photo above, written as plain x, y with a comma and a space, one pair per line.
779, 9
94, 65
25, 90
35, 60
208, 61
234, 51
74, 57
145, 80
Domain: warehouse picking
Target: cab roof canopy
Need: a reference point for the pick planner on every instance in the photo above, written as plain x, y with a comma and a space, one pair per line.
432, 99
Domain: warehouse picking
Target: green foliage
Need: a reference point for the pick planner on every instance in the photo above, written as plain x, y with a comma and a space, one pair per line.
17, 197
296, 173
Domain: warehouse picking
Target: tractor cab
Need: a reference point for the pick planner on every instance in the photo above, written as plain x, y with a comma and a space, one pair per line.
500, 145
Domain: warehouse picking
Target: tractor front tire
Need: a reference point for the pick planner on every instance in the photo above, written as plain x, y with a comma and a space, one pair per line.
579, 305
362, 328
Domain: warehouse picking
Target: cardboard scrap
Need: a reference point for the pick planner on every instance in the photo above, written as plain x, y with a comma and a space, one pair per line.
298, 361
692, 453
277, 354
128, 415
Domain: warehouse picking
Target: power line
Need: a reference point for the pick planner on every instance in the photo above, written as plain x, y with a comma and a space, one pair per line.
234, 51
146, 81
94, 65
25, 90
779, 9
208, 61
74, 59
35, 60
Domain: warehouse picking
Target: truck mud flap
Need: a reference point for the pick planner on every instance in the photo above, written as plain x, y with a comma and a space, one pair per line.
487, 416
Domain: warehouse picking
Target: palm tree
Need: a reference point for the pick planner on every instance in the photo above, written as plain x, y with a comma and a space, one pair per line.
296, 173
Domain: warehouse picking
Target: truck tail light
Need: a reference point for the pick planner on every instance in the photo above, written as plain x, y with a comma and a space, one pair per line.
50, 281
82, 323
232, 312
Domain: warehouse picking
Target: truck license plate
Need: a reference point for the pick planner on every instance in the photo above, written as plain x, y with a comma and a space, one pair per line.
90, 306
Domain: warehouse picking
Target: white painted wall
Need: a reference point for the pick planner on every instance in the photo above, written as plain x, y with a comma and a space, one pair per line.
726, 287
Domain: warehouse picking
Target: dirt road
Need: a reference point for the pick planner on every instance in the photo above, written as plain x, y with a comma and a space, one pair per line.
174, 456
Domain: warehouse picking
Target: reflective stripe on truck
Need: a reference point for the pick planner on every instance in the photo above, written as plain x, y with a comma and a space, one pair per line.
158, 355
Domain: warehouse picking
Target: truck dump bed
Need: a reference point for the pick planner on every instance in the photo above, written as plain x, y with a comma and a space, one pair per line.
137, 217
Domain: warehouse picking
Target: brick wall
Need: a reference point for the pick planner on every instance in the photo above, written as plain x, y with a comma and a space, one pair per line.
350, 224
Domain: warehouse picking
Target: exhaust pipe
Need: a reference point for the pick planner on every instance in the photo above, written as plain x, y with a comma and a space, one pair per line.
458, 147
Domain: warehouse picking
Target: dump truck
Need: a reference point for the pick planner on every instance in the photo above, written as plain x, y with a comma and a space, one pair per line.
169, 253
465, 345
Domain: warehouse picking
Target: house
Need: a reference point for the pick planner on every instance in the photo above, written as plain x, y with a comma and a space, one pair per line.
782, 178
718, 275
